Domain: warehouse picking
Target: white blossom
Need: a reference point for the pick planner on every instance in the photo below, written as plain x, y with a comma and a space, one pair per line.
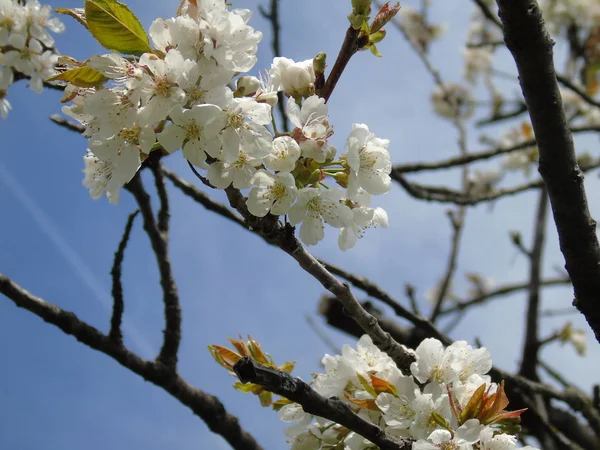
284, 154
312, 126
369, 161
296, 79
272, 193
315, 206
196, 130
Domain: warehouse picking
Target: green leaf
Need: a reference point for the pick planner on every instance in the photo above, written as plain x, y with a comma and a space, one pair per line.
115, 27
83, 76
76, 13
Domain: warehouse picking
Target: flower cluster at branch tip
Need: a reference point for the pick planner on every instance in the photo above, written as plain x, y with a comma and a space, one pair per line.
26, 46
178, 96
446, 401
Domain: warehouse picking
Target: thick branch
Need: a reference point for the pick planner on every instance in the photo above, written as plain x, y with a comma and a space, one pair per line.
172, 332
296, 390
531, 47
205, 406
117, 288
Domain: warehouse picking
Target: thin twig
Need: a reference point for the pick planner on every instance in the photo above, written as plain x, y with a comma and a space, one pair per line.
457, 220
117, 287
502, 116
322, 335
172, 332
554, 374
273, 16
531, 345
499, 292
487, 12
205, 406
460, 160
164, 213
200, 197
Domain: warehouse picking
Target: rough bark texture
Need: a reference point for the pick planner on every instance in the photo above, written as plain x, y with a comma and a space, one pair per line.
531, 47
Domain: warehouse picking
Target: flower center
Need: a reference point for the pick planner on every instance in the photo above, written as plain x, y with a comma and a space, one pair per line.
192, 130
162, 87
131, 135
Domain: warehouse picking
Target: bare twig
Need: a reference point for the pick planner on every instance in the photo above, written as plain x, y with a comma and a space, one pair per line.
205, 406
172, 332
164, 213
503, 116
487, 12
531, 342
569, 85
501, 291
117, 288
191, 191
296, 390
457, 221
554, 374
273, 16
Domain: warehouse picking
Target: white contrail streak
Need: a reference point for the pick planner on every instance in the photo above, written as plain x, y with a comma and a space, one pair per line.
80, 268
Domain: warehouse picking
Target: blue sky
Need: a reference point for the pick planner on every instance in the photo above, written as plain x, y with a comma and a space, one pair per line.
59, 395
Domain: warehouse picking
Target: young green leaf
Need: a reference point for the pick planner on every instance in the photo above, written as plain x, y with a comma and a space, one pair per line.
76, 13
83, 76
115, 27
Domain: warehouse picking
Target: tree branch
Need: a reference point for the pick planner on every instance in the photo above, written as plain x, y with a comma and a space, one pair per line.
531, 344
296, 390
205, 406
117, 288
191, 191
283, 237
457, 221
273, 17
164, 213
349, 47
531, 47
503, 290
172, 332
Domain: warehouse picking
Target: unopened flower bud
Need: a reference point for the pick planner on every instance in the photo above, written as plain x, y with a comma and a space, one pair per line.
384, 15
362, 7
342, 178
316, 176
247, 86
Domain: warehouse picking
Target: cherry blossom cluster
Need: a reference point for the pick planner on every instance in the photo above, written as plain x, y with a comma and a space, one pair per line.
26, 45
446, 401
179, 97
